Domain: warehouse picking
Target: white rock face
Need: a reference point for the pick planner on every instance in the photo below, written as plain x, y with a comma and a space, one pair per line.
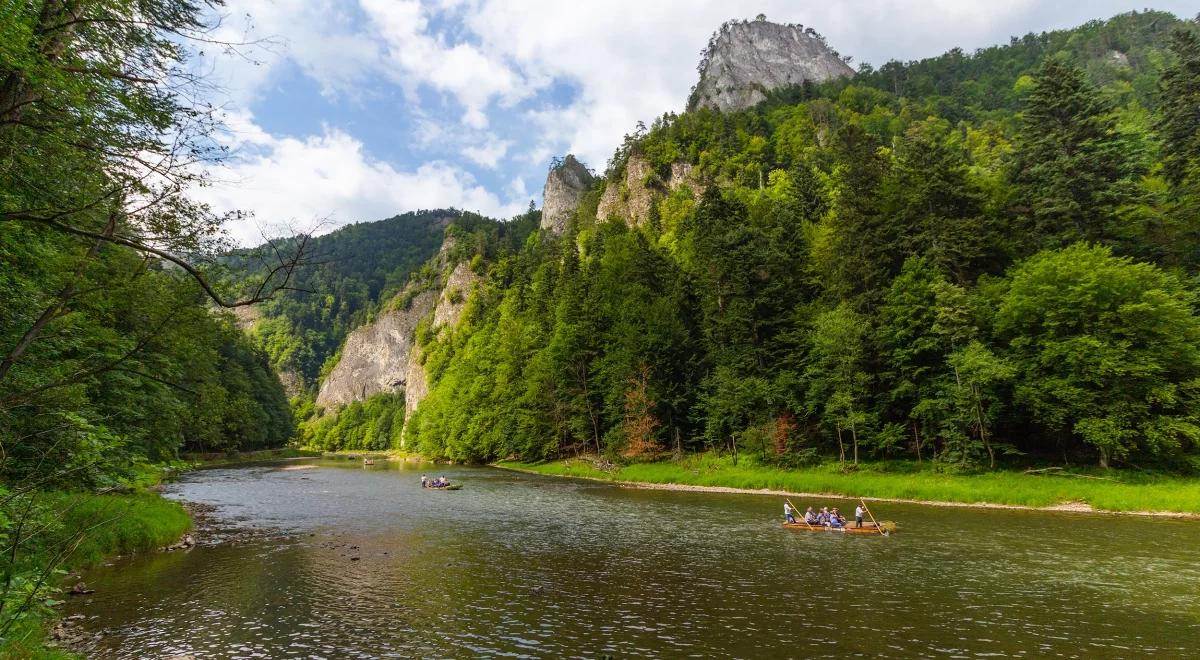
748, 58
383, 356
375, 356
565, 186
416, 386
683, 174
632, 198
447, 313
454, 295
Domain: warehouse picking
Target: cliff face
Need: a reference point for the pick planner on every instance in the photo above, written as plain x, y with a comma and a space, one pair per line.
383, 356
631, 198
565, 186
375, 356
446, 314
749, 58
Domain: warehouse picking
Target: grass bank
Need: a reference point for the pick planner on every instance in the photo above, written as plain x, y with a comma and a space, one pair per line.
68, 532
1124, 492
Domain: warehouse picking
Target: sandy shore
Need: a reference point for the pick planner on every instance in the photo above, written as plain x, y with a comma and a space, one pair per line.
1065, 507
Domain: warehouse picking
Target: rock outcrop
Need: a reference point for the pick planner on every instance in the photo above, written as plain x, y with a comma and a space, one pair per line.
566, 184
375, 356
454, 294
684, 174
383, 355
632, 197
746, 59
446, 314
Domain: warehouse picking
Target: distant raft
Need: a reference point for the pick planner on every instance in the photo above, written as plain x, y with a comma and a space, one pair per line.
450, 487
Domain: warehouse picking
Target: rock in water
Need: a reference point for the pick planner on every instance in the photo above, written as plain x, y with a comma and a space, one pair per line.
566, 184
744, 59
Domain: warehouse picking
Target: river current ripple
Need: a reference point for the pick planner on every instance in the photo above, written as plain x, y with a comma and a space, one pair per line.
363, 563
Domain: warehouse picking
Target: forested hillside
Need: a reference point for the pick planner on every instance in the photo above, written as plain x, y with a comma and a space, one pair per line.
352, 269
113, 351
117, 349
970, 259
377, 422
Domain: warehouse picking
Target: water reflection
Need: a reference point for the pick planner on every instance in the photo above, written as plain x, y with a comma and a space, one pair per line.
372, 566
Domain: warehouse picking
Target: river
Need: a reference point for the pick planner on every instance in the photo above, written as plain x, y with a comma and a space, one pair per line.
360, 562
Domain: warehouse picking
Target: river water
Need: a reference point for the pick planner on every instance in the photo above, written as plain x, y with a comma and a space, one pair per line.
520, 565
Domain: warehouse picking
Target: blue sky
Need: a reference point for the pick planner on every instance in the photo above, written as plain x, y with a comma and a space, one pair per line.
349, 110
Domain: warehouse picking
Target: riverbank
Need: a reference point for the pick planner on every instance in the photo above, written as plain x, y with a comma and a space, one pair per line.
373, 454
220, 459
57, 532
901, 482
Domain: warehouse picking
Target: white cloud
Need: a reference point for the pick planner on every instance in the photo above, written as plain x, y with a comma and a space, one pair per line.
331, 178
483, 82
317, 36
489, 153
422, 58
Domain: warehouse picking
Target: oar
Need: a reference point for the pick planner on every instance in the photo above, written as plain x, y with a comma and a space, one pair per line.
868, 510
798, 512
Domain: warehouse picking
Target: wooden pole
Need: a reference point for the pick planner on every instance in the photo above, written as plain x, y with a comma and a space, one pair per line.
868, 510
797, 511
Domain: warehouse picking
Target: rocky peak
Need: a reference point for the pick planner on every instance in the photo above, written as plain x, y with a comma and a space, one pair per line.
746, 58
566, 184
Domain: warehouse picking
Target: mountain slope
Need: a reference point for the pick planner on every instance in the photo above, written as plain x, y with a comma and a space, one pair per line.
843, 271
357, 267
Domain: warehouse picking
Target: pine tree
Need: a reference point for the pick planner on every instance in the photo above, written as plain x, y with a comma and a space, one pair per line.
938, 209
1072, 168
1179, 129
1179, 121
857, 257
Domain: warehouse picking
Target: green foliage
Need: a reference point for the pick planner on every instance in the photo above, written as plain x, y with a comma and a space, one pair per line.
374, 424
45, 534
875, 266
359, 267
1072, 169
133, 371
1106, 349
905, 480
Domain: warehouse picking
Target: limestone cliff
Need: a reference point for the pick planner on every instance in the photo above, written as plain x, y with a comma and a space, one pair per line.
566, 184
631, 198
747, 58
383, 355
446, 314
375, 356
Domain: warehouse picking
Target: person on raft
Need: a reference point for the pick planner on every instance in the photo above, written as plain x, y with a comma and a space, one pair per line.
858, 514
836, 521
424, 481
789, 514
810, 516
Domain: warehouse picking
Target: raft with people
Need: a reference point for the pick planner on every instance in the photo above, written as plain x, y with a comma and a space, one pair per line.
827, 520
439, 483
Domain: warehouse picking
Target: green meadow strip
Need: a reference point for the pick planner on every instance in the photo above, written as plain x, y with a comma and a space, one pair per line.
1118, 493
